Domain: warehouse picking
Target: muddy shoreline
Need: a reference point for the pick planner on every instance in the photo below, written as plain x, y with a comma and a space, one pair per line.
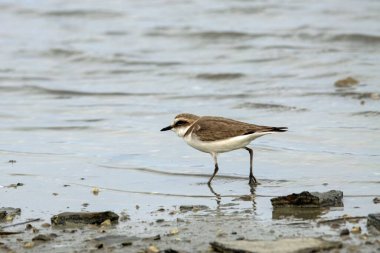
189, 228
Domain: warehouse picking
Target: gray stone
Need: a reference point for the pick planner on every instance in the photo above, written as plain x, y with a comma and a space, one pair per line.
376, 200
43, 238
331, 198
291, 245
306, 199
9, 211
116, 239
374, 220
193, 208
344, 232
84, 218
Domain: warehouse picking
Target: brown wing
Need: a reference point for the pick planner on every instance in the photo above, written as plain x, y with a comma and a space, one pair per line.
217, 128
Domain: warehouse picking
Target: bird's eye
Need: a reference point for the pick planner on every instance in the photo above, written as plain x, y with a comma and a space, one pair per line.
180, 123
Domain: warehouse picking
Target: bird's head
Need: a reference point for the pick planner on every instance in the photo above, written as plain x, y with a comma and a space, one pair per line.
181, 123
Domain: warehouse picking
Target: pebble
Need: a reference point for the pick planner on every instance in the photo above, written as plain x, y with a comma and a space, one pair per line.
347, 82
45, 225
28, 245
106, 223
356, 230
152, 249
173, 231
95, 191
344, 232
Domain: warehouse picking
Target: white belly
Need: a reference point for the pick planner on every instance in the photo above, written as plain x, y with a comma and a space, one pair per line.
222, 145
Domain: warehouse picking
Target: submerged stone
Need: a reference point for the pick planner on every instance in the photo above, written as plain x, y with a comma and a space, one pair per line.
193, 208
290, 245
374, 220
96, 218
347, 82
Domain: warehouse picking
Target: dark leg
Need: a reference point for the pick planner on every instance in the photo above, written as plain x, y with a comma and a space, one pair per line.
252, 179
216, 168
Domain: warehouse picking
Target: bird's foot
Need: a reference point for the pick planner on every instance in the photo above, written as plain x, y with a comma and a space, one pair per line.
253, 181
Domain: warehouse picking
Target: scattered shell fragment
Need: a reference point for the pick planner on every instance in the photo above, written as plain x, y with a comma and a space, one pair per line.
356, 230
106, 223
173, 231
152, 249
28, 245
95, 190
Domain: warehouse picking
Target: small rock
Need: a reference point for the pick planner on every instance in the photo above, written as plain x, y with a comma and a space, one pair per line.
347, 82
9, 213
106, 223
193, 208
152, 249
376, 200
109, 240
85, 204
290, 245
356, 230
28, 245
344, 232
95, 191
310, 200
28, 227
41, 237
160, 220
15, 185
126, 244
331, 198
45, 225
374, 220
244, 198
173, 231
84, 218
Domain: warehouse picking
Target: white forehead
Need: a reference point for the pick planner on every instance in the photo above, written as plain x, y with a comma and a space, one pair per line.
178, 119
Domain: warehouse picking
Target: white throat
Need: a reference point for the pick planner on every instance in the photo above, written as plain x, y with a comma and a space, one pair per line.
181, 131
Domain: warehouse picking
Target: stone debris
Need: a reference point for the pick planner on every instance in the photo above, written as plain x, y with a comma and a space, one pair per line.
344, 232
152, 249
376, 200
116, 239
310, 200
43, 238
8, 213
374, 220
347, 82
84, 218
290, 245
356, 230
193, 208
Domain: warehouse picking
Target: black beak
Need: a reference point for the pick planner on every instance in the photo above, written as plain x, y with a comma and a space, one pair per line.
166, 128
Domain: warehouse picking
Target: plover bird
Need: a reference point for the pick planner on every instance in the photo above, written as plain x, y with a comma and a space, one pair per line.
216, 135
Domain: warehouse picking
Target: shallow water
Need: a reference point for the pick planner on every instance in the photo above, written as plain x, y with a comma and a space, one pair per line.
85, 89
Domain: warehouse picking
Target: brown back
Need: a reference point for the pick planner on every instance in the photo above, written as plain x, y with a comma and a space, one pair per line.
209, 128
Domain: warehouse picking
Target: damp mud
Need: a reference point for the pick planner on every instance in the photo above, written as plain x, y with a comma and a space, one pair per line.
85, 89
